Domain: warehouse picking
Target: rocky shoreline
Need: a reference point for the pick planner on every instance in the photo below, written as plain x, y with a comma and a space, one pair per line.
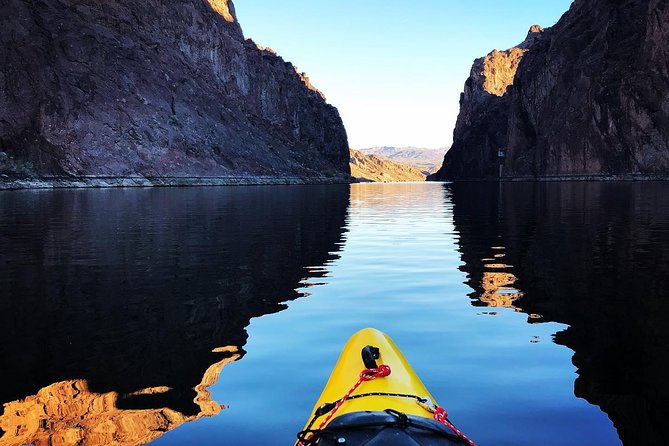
624, 177
563, 178
141, 181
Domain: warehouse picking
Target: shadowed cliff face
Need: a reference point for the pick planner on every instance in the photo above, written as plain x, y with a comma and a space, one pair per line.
157, 88
593, 256
591, 97
129, 302
480, 130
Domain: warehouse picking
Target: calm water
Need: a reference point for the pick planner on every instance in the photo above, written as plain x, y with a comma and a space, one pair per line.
535, 313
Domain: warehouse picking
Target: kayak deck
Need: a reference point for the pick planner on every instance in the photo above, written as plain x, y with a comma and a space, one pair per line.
373, 397
402, 380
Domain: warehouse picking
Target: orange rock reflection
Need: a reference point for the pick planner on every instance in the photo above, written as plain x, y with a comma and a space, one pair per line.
498, 285
68, 413
498, 290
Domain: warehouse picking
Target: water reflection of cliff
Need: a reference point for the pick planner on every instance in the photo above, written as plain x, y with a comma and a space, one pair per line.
120, 307
594, 256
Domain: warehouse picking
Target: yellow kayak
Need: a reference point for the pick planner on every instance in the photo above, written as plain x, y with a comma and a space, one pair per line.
374, 397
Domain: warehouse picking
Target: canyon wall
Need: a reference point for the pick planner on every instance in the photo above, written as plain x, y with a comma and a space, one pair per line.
157, 89
590, 98
480, 130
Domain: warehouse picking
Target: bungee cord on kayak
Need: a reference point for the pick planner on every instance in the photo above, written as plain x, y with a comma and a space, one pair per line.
365, 375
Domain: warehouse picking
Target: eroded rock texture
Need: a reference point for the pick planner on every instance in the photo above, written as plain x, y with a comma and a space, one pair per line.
480, 130
594, 97
590, 98
156, 88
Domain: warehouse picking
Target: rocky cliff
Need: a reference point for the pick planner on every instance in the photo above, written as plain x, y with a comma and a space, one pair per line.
158, 89
374, 168
591, 98
480, 130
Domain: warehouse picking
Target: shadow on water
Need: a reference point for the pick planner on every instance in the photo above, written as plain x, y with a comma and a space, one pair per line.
113, 300
594, 256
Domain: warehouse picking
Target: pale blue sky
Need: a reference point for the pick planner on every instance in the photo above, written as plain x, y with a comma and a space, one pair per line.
394, 69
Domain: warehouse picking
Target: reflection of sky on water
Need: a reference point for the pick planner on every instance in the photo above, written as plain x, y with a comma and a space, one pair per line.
399, 272
428, 263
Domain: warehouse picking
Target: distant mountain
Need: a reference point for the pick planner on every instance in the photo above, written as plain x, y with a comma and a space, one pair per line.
374, 168
427, 160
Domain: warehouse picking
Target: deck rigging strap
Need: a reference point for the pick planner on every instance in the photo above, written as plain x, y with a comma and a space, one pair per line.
440, 413
366, 375
401, 420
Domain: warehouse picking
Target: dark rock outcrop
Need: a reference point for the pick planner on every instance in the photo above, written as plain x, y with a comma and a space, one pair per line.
159, 89
591, 98
480, 130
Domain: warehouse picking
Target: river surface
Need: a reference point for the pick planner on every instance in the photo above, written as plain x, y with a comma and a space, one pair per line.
535, 313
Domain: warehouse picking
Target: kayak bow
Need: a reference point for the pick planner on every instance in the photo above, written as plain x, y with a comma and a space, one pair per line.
374, 397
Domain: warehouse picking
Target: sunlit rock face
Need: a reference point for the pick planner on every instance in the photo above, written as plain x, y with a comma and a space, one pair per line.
223, 8
594, 256
481, 128
590, 98
156, 88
